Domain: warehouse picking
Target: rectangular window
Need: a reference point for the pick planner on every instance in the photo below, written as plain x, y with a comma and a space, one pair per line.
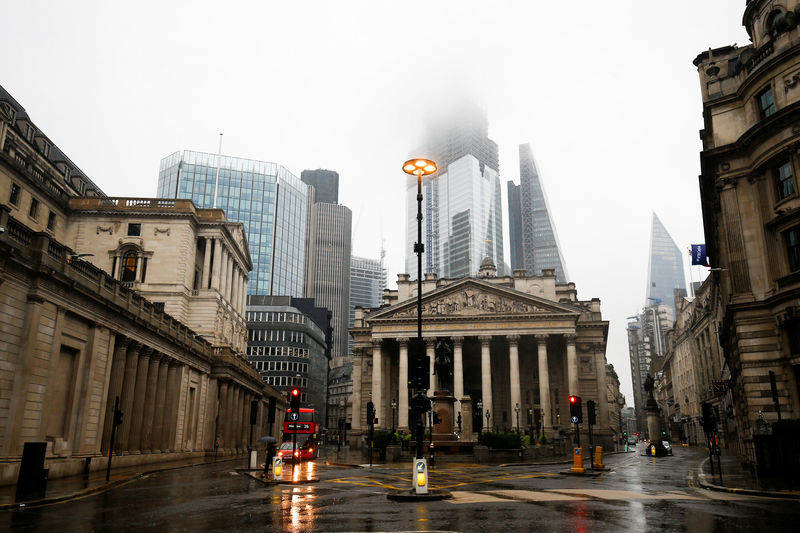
766, 102
34, 210
134, 230
793, 248
784, 180
51, 221
14, 198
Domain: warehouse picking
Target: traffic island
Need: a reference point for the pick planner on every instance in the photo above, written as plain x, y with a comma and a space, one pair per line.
410, 496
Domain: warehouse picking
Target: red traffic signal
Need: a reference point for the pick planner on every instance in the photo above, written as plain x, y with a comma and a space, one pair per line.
575, 413
573, 399
295, 392
294, 400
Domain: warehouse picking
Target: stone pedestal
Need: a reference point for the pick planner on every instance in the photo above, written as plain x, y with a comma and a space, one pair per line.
443, 406
466, 419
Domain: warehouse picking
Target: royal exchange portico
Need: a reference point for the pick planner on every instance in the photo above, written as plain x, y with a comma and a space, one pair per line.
515, 341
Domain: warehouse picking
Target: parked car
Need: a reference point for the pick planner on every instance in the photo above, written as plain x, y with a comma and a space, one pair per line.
667, 445
631, 441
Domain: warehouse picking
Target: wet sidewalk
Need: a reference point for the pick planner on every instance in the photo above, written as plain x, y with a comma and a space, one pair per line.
737, 479
66, 488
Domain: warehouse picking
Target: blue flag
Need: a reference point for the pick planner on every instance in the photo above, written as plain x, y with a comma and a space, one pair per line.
699, 255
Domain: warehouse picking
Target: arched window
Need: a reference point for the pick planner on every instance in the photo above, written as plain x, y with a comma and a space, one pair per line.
129, 260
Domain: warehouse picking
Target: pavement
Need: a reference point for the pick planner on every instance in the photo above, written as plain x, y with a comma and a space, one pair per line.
737, 479
68, 488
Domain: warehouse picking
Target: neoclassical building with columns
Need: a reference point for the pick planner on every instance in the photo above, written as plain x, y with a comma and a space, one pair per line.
517, 341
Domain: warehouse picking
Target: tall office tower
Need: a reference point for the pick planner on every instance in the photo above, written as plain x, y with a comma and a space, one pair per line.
329, 280
271, 202
515, 226
664, 269
367, 282
533, 234
325, 182
462, 211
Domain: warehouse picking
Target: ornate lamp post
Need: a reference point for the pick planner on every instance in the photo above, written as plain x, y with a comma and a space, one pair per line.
530, 422
488, 427
516, 410
479, 405
420, 404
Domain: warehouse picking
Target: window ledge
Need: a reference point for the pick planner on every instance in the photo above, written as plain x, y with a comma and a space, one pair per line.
786, 281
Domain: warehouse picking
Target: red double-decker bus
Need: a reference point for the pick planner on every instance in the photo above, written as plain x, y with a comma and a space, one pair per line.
307, 435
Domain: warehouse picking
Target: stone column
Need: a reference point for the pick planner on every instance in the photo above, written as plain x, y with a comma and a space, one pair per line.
377, 378
358, 361
229, 278
572, 366
513, 365
458, 369
234, 285
430, 350
223, 268
126, 397
486, 379
217, 267
243, 304
466, 419
161, 396
223, 414
402, 386
150, 403
171, 406
603, 416
231, 443
544, 382
139, 396
114, 386
206, 279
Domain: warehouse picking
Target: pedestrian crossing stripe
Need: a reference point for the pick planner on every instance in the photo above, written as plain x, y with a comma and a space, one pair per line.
492, 496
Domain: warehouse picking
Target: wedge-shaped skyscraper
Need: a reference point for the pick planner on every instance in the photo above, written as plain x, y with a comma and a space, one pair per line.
664, 269
534, 242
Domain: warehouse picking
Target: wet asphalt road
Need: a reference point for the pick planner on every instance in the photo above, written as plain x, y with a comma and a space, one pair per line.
638, 494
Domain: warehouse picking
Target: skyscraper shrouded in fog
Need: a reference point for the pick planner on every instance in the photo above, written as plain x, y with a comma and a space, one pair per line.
664, 269
271, 202
534, 241
462, 206
325, 183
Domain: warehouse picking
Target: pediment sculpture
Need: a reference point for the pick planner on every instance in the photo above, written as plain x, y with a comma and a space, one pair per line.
470, 301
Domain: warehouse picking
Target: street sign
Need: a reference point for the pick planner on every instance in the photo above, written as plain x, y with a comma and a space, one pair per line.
294, 416
720, 387
574, 419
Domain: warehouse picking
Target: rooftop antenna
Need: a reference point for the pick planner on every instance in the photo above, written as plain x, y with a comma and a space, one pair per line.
219, 164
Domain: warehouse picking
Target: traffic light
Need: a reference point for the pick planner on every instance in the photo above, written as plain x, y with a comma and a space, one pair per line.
118, 414
419, 376
294, 400
575, 412
709, 424
591, 412
370, 413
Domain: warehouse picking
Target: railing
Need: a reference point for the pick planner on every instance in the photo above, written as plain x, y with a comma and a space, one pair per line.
760, 55
19, 233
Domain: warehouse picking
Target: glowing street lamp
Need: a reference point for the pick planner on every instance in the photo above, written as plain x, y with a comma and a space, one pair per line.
419, 167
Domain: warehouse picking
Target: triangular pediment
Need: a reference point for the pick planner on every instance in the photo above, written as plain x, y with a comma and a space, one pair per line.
473, 298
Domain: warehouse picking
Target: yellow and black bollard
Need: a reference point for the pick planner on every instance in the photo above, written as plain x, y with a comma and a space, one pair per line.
598, 458
577, 464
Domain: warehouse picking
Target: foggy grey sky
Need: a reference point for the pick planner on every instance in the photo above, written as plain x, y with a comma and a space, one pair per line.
605, 92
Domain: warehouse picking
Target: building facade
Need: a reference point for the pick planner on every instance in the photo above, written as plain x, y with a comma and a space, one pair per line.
271, 202
750, 201
516, 341
534, 241
76, 337
462, 205
288, 344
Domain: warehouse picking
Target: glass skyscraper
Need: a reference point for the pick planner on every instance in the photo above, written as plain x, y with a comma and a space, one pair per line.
462, 206
534, 241
664, 269
367, 282
270, 201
